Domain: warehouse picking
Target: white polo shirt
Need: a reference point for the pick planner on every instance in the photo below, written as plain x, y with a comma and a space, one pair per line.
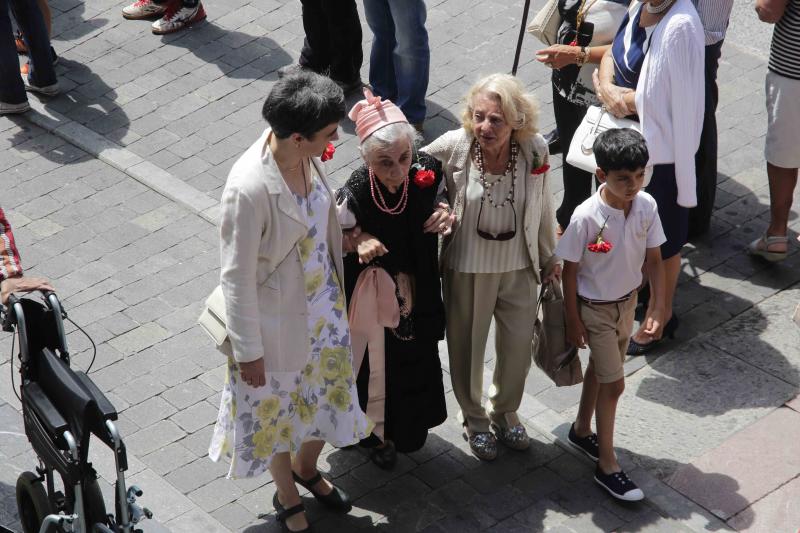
610, 276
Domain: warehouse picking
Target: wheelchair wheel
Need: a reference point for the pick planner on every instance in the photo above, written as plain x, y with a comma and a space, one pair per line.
94, 507
32, 502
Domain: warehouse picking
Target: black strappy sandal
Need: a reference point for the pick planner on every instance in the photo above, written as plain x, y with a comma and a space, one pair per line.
283, 514
336, 500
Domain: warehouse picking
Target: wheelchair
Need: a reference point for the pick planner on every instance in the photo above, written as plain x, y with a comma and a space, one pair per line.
61, 409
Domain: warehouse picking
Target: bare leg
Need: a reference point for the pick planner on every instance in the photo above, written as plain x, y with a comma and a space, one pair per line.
281, 468
607, 398
305, 465
583, 422
782, 182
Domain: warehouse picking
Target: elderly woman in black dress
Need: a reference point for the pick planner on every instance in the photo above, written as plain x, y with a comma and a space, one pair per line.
392, 282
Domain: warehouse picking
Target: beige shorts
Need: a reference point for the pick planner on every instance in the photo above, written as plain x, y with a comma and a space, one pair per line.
783, 121
609, 327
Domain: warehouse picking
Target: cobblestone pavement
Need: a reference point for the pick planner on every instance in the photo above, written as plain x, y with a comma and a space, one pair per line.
112, 189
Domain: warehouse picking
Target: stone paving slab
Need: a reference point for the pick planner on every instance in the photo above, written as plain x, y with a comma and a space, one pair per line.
778, 511
746, 467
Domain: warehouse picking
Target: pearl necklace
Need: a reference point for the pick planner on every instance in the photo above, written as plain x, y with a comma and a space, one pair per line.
660, 8
510, 167
380, 202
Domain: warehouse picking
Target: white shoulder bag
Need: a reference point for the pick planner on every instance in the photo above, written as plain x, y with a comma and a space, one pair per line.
596, 121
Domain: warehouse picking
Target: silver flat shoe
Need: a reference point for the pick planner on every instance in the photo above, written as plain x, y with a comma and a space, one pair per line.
483, 444
514, 437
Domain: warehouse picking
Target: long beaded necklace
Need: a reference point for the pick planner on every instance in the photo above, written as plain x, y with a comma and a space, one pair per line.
380, 202
511, 167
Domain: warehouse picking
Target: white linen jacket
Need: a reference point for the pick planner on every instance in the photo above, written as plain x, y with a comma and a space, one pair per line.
262, 276
670, 95
539, 218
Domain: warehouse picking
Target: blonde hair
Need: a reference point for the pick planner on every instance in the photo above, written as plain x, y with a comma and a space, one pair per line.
520, 109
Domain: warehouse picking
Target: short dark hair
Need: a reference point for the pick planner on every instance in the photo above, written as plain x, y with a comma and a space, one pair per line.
303, 103
620, 149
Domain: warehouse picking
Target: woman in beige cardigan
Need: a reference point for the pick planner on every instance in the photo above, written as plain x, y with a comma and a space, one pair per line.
289, 386
498, 184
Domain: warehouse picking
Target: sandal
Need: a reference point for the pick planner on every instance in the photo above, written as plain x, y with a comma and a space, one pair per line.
283, 514
336, 500
760, 247
385, 457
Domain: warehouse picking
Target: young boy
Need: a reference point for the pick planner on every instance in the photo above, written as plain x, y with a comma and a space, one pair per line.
608, 239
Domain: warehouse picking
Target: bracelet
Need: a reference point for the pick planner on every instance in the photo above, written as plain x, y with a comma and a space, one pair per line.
583, 56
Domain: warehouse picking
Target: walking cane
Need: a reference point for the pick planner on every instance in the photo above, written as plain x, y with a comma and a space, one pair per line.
521, 35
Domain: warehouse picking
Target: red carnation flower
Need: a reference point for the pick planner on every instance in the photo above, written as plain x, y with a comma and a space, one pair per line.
327, 155
541, 170
424, 178
600, 245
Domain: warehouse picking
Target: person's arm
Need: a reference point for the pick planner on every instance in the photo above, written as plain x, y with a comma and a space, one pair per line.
442, 219
548, 261
618, 100
11, 277
561, 55
770, 11
654, 319
240, 237
576, 331
686, 78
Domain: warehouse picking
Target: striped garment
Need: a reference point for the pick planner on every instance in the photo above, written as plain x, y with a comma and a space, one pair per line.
784, 55
471, 253
10, 265
714, 15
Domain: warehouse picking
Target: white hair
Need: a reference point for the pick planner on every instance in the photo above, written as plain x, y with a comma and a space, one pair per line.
387, 136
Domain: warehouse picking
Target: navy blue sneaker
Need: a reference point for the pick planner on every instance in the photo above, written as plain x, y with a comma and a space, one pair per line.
587, 445
619, 485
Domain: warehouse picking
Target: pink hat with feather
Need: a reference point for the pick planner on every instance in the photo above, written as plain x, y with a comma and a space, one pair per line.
373, 113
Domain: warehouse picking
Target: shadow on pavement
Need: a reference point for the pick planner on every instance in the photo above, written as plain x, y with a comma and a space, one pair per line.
253, 58
443, 488
725, 487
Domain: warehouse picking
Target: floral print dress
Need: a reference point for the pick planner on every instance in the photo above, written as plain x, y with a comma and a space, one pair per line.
319, 402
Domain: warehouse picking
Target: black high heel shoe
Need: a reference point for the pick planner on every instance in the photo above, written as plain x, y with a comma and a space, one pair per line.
635, 348
336, 500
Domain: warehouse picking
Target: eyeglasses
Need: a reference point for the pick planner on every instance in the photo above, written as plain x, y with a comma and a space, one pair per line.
502, 236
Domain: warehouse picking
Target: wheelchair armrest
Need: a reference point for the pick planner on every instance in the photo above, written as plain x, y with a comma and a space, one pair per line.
46, 412
107, 410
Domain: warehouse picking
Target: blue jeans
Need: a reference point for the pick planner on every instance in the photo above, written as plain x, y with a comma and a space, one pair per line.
400, 58
31, 22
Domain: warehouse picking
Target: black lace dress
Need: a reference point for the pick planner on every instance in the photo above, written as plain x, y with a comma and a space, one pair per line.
414, 391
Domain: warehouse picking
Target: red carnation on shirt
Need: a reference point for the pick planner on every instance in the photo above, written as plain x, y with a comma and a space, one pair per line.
540, 170
600, 245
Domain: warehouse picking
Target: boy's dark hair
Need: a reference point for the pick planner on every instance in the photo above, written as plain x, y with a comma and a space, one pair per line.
620, 149
303, 103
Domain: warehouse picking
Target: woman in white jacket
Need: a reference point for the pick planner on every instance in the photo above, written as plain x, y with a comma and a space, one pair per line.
655, 69
289, 385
